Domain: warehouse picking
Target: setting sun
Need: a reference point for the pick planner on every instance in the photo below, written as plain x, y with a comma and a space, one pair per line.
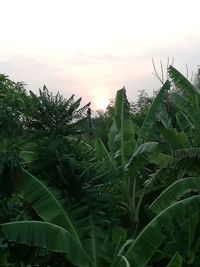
101, 103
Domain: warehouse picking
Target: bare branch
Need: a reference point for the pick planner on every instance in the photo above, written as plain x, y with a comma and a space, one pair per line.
155, 72
186, 71
162, 73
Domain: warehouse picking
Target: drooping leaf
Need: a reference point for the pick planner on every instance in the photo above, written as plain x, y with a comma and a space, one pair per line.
152, 236
157, 180
174, 192
46, 235
182, 83
45, 202
143, 151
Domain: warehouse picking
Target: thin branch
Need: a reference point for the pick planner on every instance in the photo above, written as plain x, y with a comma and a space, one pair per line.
186, 71
162, 73
156, 73
167, 74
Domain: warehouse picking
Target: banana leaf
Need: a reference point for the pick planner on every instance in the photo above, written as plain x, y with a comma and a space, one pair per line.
46, 203
143, 151
176, 261
174, 192
175, 139
187, 107
187, 153
161, 159
98, 246
182, 84
103, 153
155, 233
183, 121
122, 131
150, 118
46, 235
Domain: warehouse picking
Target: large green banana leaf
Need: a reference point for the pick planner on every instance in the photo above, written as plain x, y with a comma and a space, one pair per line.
187, 107
175, 191
122, 135
45, 202
183, 121
182, 83
164, 224
99, 247
46, 235
161, 159
175, 139
150, 118
48, 206
142, 152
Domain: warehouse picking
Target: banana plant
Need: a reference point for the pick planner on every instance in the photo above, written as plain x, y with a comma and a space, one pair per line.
164, 231
129, 151
176, 191
155, 172
62, 229
58, 230
121, 137
187, 99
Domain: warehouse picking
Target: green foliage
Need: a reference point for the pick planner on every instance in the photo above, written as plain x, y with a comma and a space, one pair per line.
103, 153
174, 192
176, 261
13, 102
128, 200
51, 115
149, 120
40, 197
122, 142
166, 223
45, 235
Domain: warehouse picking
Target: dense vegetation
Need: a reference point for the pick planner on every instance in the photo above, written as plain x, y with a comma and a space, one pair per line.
71, 196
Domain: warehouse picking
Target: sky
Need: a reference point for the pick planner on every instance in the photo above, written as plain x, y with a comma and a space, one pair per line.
92, 48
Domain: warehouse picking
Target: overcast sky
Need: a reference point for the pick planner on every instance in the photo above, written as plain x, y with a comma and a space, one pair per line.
93, 47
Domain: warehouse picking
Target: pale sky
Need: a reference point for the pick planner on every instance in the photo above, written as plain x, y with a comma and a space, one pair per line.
91, 48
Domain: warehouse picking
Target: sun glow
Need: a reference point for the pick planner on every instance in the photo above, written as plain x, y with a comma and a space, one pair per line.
101, 103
